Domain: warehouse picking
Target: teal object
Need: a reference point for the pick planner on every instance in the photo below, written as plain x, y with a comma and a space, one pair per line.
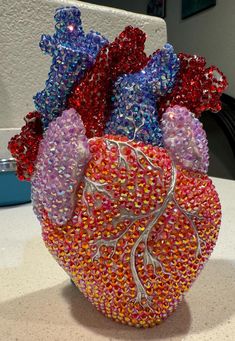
12, 190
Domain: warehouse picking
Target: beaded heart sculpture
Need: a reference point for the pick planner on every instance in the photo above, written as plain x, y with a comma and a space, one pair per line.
117, 159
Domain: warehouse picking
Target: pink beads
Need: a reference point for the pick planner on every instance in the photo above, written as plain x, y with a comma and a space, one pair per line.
63, 154
185, 138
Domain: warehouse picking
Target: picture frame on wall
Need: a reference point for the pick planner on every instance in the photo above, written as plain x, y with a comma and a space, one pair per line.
157, 8
192, 7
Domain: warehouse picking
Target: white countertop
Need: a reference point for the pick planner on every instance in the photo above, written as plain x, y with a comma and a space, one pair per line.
37, 301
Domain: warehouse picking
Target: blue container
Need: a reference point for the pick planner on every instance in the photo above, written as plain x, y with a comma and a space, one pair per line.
12, 190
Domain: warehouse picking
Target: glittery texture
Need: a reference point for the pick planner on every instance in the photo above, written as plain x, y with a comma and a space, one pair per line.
134, 98
197, 88
91, 97
140, 233
62, 157
185, 138
130, 222
72, 53
24, 146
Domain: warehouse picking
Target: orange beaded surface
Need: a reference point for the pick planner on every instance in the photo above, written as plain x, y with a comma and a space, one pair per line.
141, 231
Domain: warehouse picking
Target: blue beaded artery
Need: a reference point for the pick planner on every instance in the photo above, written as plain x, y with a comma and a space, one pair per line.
72, 52
134, 113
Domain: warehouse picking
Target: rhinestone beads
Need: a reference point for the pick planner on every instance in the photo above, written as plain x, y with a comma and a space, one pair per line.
134, 98
72, 54
130, 222
197, 88
62, 157
91, 97
24, 146
140, 234
185, 139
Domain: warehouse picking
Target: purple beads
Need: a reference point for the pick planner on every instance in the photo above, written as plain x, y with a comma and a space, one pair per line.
72, 54
185, 138
134, 98
62, 157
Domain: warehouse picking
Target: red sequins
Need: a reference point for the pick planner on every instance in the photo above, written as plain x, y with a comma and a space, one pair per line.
197, 88
24, 146
91, 97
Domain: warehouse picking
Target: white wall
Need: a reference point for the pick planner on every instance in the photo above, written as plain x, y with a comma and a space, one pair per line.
210, 33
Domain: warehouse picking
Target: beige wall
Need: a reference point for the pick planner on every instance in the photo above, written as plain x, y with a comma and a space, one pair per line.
210, 33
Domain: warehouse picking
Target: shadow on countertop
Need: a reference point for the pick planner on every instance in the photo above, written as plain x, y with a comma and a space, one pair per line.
62, 309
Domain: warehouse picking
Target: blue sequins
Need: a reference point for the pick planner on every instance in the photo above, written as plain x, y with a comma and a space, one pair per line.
72, 54
134, 98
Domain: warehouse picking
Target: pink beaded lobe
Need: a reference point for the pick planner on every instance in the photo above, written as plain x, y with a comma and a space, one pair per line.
185, 138
63, 155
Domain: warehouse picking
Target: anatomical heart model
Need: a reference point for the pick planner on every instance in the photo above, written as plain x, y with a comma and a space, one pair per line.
117, 158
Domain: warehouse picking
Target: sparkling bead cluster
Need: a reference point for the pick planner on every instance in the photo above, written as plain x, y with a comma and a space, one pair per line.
91, 97
131, 102
24, 146
132, 223
72, 54
185, 138
140, 233
62, 157
197, 88
134, 98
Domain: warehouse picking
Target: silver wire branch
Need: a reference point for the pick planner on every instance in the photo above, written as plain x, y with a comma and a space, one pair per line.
190, 216
143, 238
152, 217
124, 216
136, 129
139, 154
114, 241
91, 186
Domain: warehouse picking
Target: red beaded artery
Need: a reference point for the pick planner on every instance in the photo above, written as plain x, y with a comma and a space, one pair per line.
91, 97
24, 146
197, 88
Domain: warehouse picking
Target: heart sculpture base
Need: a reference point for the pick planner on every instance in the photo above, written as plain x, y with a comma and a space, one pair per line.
141, 231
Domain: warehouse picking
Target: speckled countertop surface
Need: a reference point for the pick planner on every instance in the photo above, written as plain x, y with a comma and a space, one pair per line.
37, 301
